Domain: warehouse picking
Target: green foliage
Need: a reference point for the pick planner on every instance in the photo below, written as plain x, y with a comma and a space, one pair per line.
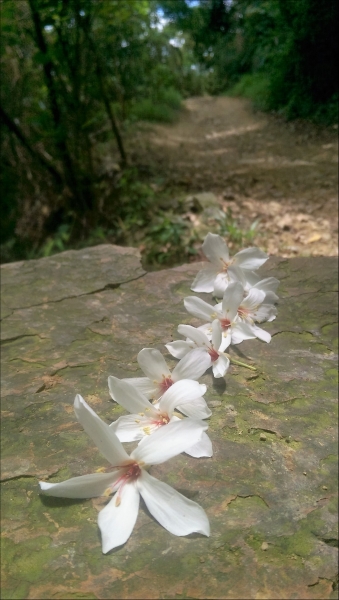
72, 74
237, 237
167, 240
170, 97
256, 87
57, 242
280, 53
147, 110
162, 107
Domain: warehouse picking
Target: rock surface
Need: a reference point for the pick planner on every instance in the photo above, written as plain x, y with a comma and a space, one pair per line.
270, 490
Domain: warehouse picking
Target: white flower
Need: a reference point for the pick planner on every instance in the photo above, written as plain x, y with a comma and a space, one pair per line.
146, 418
129, 479
237, 314
215, 277
211, 346
249, 280
159, 378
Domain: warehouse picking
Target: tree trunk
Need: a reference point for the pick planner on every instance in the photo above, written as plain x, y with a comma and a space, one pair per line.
60, 138
105, 98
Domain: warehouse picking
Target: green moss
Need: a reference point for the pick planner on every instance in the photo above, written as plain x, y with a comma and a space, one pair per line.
46, 406
18, 593
182, 289
190, 561
140, 560
330, 460
29, 560
247, 504
255, 541
301, 543
332, 506
62, 475
332, 374
76, 440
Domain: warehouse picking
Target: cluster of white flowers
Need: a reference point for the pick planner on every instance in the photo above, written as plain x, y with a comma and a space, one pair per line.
167, 409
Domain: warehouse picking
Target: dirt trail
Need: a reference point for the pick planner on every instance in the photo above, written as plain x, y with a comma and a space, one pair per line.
284, 174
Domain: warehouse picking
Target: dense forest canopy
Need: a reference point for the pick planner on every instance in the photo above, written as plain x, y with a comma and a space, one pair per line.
78, 74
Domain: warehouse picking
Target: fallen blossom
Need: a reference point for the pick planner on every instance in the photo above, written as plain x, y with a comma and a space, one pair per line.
159, 378
146, 418
237, 314
211, 346
214, 277
129, 480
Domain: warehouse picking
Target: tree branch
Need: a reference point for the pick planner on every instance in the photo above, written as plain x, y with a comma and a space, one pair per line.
12, 126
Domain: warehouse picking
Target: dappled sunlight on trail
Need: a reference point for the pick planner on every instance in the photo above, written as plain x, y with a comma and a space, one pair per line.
283, 175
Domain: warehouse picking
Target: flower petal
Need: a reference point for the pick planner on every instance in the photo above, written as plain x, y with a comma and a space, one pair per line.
143, 384
204, 280
253, 299
85, 486
265, 312
130, 428
220, 366
202, 448
199, 308
226, 339
250, 258
153, 364
116, 522
271, 297
220, 284
207, 330
269, 284
233, 296
261, 334
168, 441
172, 510
197, 409
179, 348
242, 331
180, 392
125, 394
216, 334
104, 438
198, 337
192, 366
238, 275
216, 250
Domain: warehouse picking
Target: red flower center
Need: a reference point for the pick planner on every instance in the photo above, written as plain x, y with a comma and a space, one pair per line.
225, 324
213, 354
165, 383
161, 420
131, 473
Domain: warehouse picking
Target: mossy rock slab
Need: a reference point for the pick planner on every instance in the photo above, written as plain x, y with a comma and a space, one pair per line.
270, 490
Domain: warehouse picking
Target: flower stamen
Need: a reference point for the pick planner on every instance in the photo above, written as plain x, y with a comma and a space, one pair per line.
165, 384
243, 312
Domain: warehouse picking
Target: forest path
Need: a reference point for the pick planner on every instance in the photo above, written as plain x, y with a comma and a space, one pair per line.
284, 174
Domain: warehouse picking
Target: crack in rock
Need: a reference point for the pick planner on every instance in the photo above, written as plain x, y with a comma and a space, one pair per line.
108, 286
19, 337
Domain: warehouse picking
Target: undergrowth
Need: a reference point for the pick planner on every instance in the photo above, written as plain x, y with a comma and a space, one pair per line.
165, 237
263, 91
162, 106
